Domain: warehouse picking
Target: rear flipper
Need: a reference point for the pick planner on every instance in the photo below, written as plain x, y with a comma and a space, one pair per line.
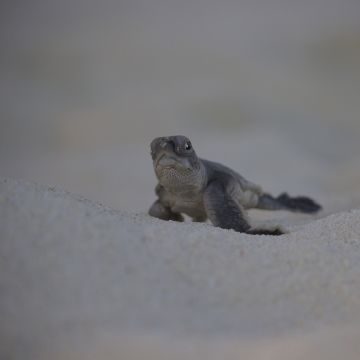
301, 204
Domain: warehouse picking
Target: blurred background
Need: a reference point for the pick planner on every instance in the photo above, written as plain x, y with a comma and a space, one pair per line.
269, 87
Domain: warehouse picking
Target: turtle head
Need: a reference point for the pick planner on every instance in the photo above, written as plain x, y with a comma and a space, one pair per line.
174, 156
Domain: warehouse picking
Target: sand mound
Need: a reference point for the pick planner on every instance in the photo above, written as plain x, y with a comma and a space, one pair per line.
73, 272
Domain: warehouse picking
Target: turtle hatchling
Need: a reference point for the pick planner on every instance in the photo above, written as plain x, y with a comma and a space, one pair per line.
204, 190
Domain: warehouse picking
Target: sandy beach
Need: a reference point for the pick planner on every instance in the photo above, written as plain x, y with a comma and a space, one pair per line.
81, 280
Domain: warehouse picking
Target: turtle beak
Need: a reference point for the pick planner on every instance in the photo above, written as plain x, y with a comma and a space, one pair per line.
164, 155
161, 146
166, 159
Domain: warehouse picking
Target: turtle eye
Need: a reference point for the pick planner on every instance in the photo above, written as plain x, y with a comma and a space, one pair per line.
187, 146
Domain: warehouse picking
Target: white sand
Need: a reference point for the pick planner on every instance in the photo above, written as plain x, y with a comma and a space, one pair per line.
79, 280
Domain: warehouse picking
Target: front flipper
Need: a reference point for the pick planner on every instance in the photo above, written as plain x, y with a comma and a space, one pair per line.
162, 212
224, 212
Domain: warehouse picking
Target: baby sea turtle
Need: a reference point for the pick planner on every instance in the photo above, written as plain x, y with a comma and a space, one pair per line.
204, 190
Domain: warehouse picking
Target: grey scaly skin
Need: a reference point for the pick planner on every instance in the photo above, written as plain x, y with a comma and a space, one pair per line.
204, 190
